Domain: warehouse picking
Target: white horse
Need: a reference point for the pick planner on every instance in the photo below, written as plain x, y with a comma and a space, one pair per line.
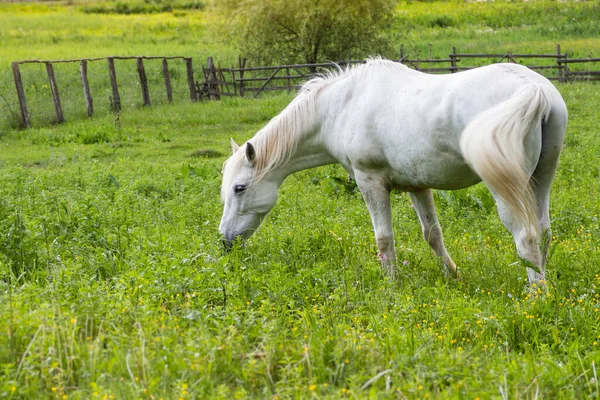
391, 127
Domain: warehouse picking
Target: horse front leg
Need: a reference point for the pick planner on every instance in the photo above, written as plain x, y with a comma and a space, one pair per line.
377, 198
425, 208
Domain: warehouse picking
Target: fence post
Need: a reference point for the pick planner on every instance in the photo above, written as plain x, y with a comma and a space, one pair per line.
223, 86
21, 95
143, 80
566, 68
242, 65
116, 103
213, 87
559, 66
235, 92
167, 75
89, 103
453, 67
59, 112
190, 76
220, 78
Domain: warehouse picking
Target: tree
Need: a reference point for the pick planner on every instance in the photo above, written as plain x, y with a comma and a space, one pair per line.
289, 31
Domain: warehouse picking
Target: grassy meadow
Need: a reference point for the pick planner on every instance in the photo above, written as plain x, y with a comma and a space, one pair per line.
113, 283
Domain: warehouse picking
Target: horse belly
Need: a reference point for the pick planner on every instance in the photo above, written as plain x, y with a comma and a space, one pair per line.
409, 169
431, 173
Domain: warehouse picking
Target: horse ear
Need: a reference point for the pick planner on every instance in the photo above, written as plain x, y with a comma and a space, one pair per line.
250, 154
234, 146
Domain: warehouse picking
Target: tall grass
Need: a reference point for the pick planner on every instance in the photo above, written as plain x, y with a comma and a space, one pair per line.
113, 283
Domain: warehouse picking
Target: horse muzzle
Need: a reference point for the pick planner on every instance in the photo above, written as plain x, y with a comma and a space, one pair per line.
227, 244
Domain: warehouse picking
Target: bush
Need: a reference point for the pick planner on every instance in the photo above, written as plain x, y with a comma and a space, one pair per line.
311, 31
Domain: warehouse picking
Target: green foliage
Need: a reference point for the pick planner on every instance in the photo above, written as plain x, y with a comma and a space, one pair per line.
283, 31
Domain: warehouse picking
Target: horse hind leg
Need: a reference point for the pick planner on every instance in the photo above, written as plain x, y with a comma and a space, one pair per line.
553, 133
425, 208
526, 239
533, 242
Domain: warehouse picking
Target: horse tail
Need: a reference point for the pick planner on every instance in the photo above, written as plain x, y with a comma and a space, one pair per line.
494, 146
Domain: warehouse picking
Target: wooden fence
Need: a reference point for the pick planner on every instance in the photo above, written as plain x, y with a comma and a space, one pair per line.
255, 80
247, 80
242, 80
115, 98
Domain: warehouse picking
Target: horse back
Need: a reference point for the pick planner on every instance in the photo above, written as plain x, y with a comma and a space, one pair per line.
407, 125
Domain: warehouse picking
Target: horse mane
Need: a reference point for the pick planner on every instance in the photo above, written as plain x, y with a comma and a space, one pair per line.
278, 141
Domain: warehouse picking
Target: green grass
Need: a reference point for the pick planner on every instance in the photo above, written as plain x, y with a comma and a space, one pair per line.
111, 253
113, 283
474, 27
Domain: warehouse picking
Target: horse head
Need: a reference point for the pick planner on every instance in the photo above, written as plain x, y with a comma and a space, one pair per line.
247, 199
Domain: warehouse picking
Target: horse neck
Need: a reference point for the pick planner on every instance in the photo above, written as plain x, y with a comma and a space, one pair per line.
310, 153
293, 139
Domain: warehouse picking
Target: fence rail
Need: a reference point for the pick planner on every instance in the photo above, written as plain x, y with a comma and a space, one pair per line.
255, 80
242, 80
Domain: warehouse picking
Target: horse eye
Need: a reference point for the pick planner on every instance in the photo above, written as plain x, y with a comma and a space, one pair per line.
239, 189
